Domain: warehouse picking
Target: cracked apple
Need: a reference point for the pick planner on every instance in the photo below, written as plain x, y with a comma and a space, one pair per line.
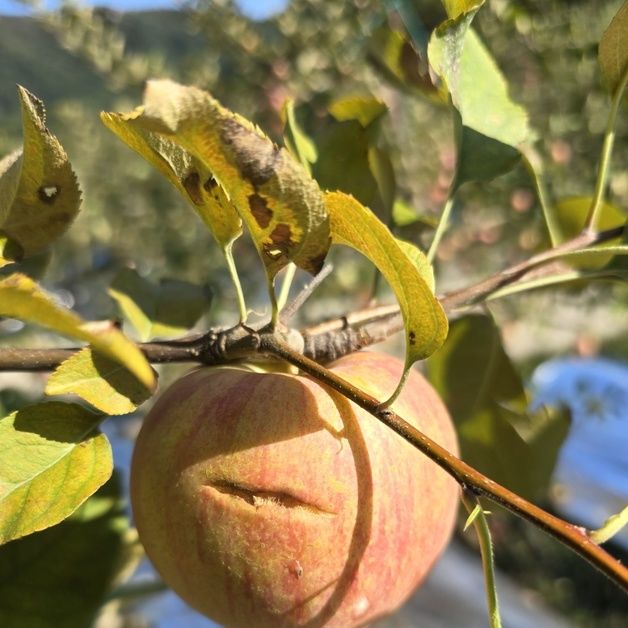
265, 499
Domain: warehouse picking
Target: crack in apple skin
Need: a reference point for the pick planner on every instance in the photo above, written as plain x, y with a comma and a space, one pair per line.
258, 497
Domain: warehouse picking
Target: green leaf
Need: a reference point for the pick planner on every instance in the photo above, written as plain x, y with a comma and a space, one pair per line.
60, 577
52, 458
354, 225
572, 214
159, 310
188, 175
280, 204
39, 194
486, 399
489, 126
22, 298
456, 8
300, 146
613, 51
611, 527
100, 381
404, 216
364, 109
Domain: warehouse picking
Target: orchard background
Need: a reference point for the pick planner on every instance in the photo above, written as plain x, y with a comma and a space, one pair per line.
80, 61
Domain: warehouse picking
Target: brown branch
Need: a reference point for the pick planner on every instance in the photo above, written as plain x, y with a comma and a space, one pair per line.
573, 536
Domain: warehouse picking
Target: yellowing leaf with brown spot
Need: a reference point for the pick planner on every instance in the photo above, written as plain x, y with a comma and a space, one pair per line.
281, 205
21, 297
52, 458
191, 177
425, 322
39, 194
99, 380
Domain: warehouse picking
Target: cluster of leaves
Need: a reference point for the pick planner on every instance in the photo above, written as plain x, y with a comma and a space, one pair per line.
233, 176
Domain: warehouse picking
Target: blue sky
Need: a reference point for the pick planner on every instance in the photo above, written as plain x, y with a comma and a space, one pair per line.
257, 9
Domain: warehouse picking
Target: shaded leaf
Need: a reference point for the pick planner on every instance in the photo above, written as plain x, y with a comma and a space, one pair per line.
100, 381
364, 109
301, 147
10, 250
572, 214
489, 126
486, 399
280, 204
159, 310
354, 225
613, 51
22, 298
52, 458
404, 216
39, 194
191, 178
60, 577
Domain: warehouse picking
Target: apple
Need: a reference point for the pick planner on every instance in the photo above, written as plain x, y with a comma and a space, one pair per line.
265, 499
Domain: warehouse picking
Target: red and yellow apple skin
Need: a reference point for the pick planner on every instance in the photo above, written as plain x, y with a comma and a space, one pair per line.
264, 499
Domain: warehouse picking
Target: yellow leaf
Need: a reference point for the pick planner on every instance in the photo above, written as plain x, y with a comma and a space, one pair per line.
21, 297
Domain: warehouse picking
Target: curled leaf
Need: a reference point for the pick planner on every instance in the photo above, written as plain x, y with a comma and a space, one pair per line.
613, 52
39, 194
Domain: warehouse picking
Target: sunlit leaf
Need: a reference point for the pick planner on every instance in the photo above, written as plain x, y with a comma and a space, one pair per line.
611, 527
22, 298
39, 194
404, 216
572, 215
100, 381
52, 458
486, 399
456, 8
60, 577
490, 127
417, 257
191, 178
613, 51
364, 109
354, 225
301, 147
163, 310
280, 204
10, 250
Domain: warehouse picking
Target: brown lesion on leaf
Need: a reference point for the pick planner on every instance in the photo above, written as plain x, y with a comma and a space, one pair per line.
260, 210
192, 185
48, 193
411, 337
282, 235
210, 184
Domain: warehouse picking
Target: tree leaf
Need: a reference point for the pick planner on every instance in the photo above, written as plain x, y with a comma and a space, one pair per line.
486, 399
489, 126
613, 51
572, 213
52, 458
100, 381
60, 577
456, 8
21, 297
300, 146
354, 225
417, 257
191, 178
39, 194
10, 250
162, 310
364, 109
280, 204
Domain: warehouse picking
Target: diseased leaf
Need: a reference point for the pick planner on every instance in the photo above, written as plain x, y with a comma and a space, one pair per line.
191, 178
487, 401
572, 213
39, 194
613, 51
100, 381
280, 204
417, 257
22, 298
61, 576
490, 127
301, 147
354, 225
162, 310
52, 458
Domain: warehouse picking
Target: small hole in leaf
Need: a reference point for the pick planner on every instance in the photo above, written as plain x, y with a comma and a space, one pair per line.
274, 253
48, 193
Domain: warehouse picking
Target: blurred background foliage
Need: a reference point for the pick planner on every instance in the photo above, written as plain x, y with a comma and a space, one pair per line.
81, 60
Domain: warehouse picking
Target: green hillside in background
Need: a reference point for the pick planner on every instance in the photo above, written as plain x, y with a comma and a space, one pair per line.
32, 55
